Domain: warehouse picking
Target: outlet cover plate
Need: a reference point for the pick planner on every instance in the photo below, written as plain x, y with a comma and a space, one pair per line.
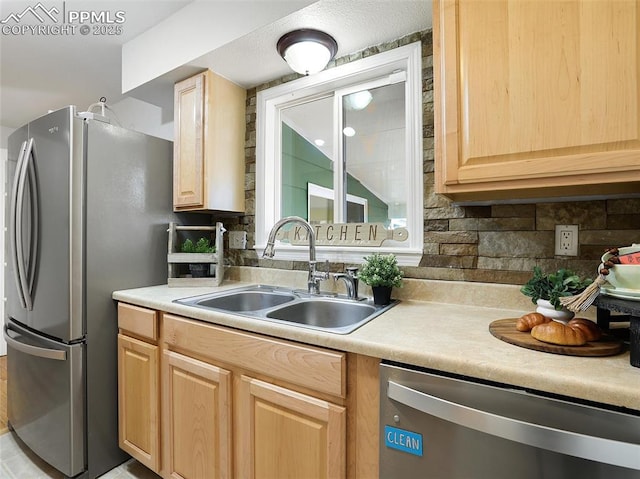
237, 239
566, 240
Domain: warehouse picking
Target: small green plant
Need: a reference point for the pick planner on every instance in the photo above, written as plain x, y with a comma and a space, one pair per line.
203, 245
553, 286
381, 270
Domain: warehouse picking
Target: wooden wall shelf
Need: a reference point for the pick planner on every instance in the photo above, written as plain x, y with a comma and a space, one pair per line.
175, 258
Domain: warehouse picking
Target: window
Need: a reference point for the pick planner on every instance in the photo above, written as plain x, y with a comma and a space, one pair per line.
320, 201
344, 145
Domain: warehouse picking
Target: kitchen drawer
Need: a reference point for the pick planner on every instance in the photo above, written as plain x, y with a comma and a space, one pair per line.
141, 322
319, 369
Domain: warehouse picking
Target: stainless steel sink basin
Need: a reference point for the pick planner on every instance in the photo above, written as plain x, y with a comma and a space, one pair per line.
325, 313
252, 299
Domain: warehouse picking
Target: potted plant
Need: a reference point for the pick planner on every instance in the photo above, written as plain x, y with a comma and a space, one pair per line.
545, 290
382, 273
203, 245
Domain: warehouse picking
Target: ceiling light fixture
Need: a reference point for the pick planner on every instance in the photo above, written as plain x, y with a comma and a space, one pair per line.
359, 100
348, 131
307, 51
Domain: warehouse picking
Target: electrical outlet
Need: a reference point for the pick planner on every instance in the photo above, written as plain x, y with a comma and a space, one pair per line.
237, 239
566, 240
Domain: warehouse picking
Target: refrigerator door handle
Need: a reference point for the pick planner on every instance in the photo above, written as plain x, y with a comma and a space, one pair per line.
13, 224
35, 221
27, 172
589, 447
31, 350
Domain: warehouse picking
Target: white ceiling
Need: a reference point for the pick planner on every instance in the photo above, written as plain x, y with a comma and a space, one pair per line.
38, 73
43, 72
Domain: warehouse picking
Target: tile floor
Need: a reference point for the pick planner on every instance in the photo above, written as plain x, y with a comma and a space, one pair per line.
18, 462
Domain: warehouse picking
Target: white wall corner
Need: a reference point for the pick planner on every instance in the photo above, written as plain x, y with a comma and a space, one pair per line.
138, 115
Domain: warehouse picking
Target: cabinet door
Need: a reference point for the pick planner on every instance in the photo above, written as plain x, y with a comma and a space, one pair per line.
285, 434
196, 419
188, 147
536, 95
138, 399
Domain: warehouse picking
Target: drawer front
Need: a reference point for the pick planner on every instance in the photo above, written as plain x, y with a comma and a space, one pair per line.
139, 321
318, 369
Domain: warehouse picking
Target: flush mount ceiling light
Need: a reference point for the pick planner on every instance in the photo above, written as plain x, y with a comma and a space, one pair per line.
307, 51
359, 100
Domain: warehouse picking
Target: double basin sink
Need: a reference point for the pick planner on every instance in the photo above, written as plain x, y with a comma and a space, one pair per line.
270, 303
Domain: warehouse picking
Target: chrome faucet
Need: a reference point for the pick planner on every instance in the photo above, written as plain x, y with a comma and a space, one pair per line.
314, 278
350, 279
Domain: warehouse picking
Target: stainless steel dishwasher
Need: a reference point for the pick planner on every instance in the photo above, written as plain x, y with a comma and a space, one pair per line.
434, 426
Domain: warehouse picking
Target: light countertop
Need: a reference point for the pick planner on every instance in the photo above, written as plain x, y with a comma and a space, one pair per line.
448, 337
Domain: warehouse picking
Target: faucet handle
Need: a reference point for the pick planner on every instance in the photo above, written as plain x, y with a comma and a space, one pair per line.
352, 271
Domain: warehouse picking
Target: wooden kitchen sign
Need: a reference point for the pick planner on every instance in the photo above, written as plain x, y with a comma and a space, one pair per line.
345, 234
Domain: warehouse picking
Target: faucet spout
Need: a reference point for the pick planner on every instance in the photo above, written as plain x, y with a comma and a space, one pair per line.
313, 282
269, 250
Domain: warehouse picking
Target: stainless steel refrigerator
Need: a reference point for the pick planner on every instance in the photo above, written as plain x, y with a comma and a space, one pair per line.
87, 209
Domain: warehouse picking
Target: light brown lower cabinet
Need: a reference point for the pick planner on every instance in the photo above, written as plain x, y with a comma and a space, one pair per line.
197, 421
245, 406
138, 385
282, 433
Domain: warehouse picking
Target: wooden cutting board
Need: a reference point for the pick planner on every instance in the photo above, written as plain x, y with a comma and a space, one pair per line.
505, 329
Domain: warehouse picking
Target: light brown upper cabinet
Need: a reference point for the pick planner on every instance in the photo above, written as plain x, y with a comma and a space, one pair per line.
208, 158
536, 99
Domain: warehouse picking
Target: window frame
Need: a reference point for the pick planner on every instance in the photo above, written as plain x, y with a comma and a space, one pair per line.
407, 58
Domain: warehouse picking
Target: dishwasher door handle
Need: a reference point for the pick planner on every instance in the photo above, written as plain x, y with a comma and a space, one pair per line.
593, 448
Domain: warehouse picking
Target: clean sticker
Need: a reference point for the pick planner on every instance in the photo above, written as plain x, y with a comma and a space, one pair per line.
402, 440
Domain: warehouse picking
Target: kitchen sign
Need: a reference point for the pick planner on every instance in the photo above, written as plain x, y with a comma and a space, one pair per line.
345, 234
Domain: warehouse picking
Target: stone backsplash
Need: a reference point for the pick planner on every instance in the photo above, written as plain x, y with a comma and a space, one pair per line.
498, 243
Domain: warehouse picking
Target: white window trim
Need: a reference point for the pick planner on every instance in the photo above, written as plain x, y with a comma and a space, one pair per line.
269, 102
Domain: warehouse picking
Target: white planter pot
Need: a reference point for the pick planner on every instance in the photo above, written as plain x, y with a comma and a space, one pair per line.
546, 308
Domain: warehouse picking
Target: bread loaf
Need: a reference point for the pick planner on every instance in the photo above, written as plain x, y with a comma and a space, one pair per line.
557, 333
528, 321
590, 329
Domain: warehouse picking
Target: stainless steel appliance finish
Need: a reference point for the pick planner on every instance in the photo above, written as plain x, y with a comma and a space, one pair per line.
434, 426
87, 212
322, 312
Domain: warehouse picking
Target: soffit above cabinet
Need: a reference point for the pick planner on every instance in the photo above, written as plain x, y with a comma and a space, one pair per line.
251, 58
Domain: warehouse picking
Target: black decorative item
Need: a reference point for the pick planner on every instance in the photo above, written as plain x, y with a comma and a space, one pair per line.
630, 312
381, 295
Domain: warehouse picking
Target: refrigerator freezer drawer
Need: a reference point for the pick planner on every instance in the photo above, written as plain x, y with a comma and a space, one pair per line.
45, 397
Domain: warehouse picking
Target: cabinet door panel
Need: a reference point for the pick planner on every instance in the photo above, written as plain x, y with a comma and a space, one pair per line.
138, 398
188, 177
285, 434
536, 94
197, 418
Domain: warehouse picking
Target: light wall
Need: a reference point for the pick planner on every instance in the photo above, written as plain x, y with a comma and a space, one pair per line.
5, 131
3, 169
144, 117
